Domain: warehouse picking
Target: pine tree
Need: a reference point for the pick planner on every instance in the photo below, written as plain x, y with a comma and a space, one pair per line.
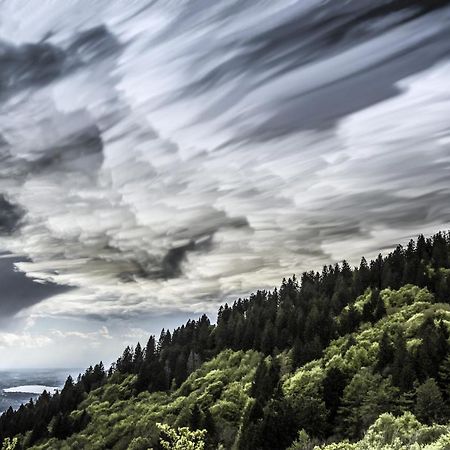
380, 308
98, 374
62, 426
150, 349
197, 418
278, 426
430, 407
444, 378
385, 352
39, 432
138, 358
68, 397
268, 339
333, 385
125, 362
266, 379
250, 434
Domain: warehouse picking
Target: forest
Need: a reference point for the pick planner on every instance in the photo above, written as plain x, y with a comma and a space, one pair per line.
346, 358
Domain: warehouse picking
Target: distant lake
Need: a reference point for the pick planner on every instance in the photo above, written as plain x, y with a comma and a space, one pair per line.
18, 386
30, 389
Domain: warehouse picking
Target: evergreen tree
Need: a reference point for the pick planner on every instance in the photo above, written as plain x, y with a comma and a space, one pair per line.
300, 320
385, 355
150, 349
364, 399
444, 378
333, 385
266, 379
250, 433
278, 427
125, 362
380, 308
62, 426
138, 358
39, 432
430, 406
403, 368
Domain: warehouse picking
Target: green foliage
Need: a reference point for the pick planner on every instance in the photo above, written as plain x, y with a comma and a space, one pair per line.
444, 378
305, 393
181, 438
303, 442
9, 444
345, 445
213, 397
363, 374
343, 391
326, 355
398, 433
406, 295
139, 443
430, 407
364, 399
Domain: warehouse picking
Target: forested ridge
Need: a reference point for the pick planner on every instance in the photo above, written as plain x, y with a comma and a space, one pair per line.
337, 356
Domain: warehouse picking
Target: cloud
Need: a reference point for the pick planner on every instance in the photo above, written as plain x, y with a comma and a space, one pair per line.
160, 169
23, 340
102, 333
19, 291
137, 334
10, 216
28, 65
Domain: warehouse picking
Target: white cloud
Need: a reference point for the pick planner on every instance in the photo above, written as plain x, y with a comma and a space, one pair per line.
102, 333
170, 176
23, 340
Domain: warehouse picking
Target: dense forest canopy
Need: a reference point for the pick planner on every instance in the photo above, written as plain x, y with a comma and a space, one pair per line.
333, 356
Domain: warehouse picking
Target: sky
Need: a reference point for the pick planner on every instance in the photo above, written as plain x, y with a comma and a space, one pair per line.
158, 158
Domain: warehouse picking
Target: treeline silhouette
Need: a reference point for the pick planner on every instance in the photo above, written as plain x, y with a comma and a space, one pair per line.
36, 415
301, 315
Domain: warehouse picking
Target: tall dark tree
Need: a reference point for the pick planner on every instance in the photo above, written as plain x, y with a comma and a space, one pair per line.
138, 358
333, 385
385, 355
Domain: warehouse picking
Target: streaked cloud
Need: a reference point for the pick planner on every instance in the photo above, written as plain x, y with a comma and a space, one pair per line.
167, 159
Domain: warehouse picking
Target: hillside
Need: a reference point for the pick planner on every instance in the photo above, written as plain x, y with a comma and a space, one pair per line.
344, 359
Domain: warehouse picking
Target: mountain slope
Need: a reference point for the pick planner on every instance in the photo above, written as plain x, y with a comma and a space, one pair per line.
220, 388
317, 361
344, 392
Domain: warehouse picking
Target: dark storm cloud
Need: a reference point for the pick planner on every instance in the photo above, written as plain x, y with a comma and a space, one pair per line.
80, 150
37, 64
322, 107
10, 216
199, 240
59, 140
171, 264
65, 142
92, 44
322, 33
18, 291
172, 261
329, 29
384, 209
28, 65
168, 156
